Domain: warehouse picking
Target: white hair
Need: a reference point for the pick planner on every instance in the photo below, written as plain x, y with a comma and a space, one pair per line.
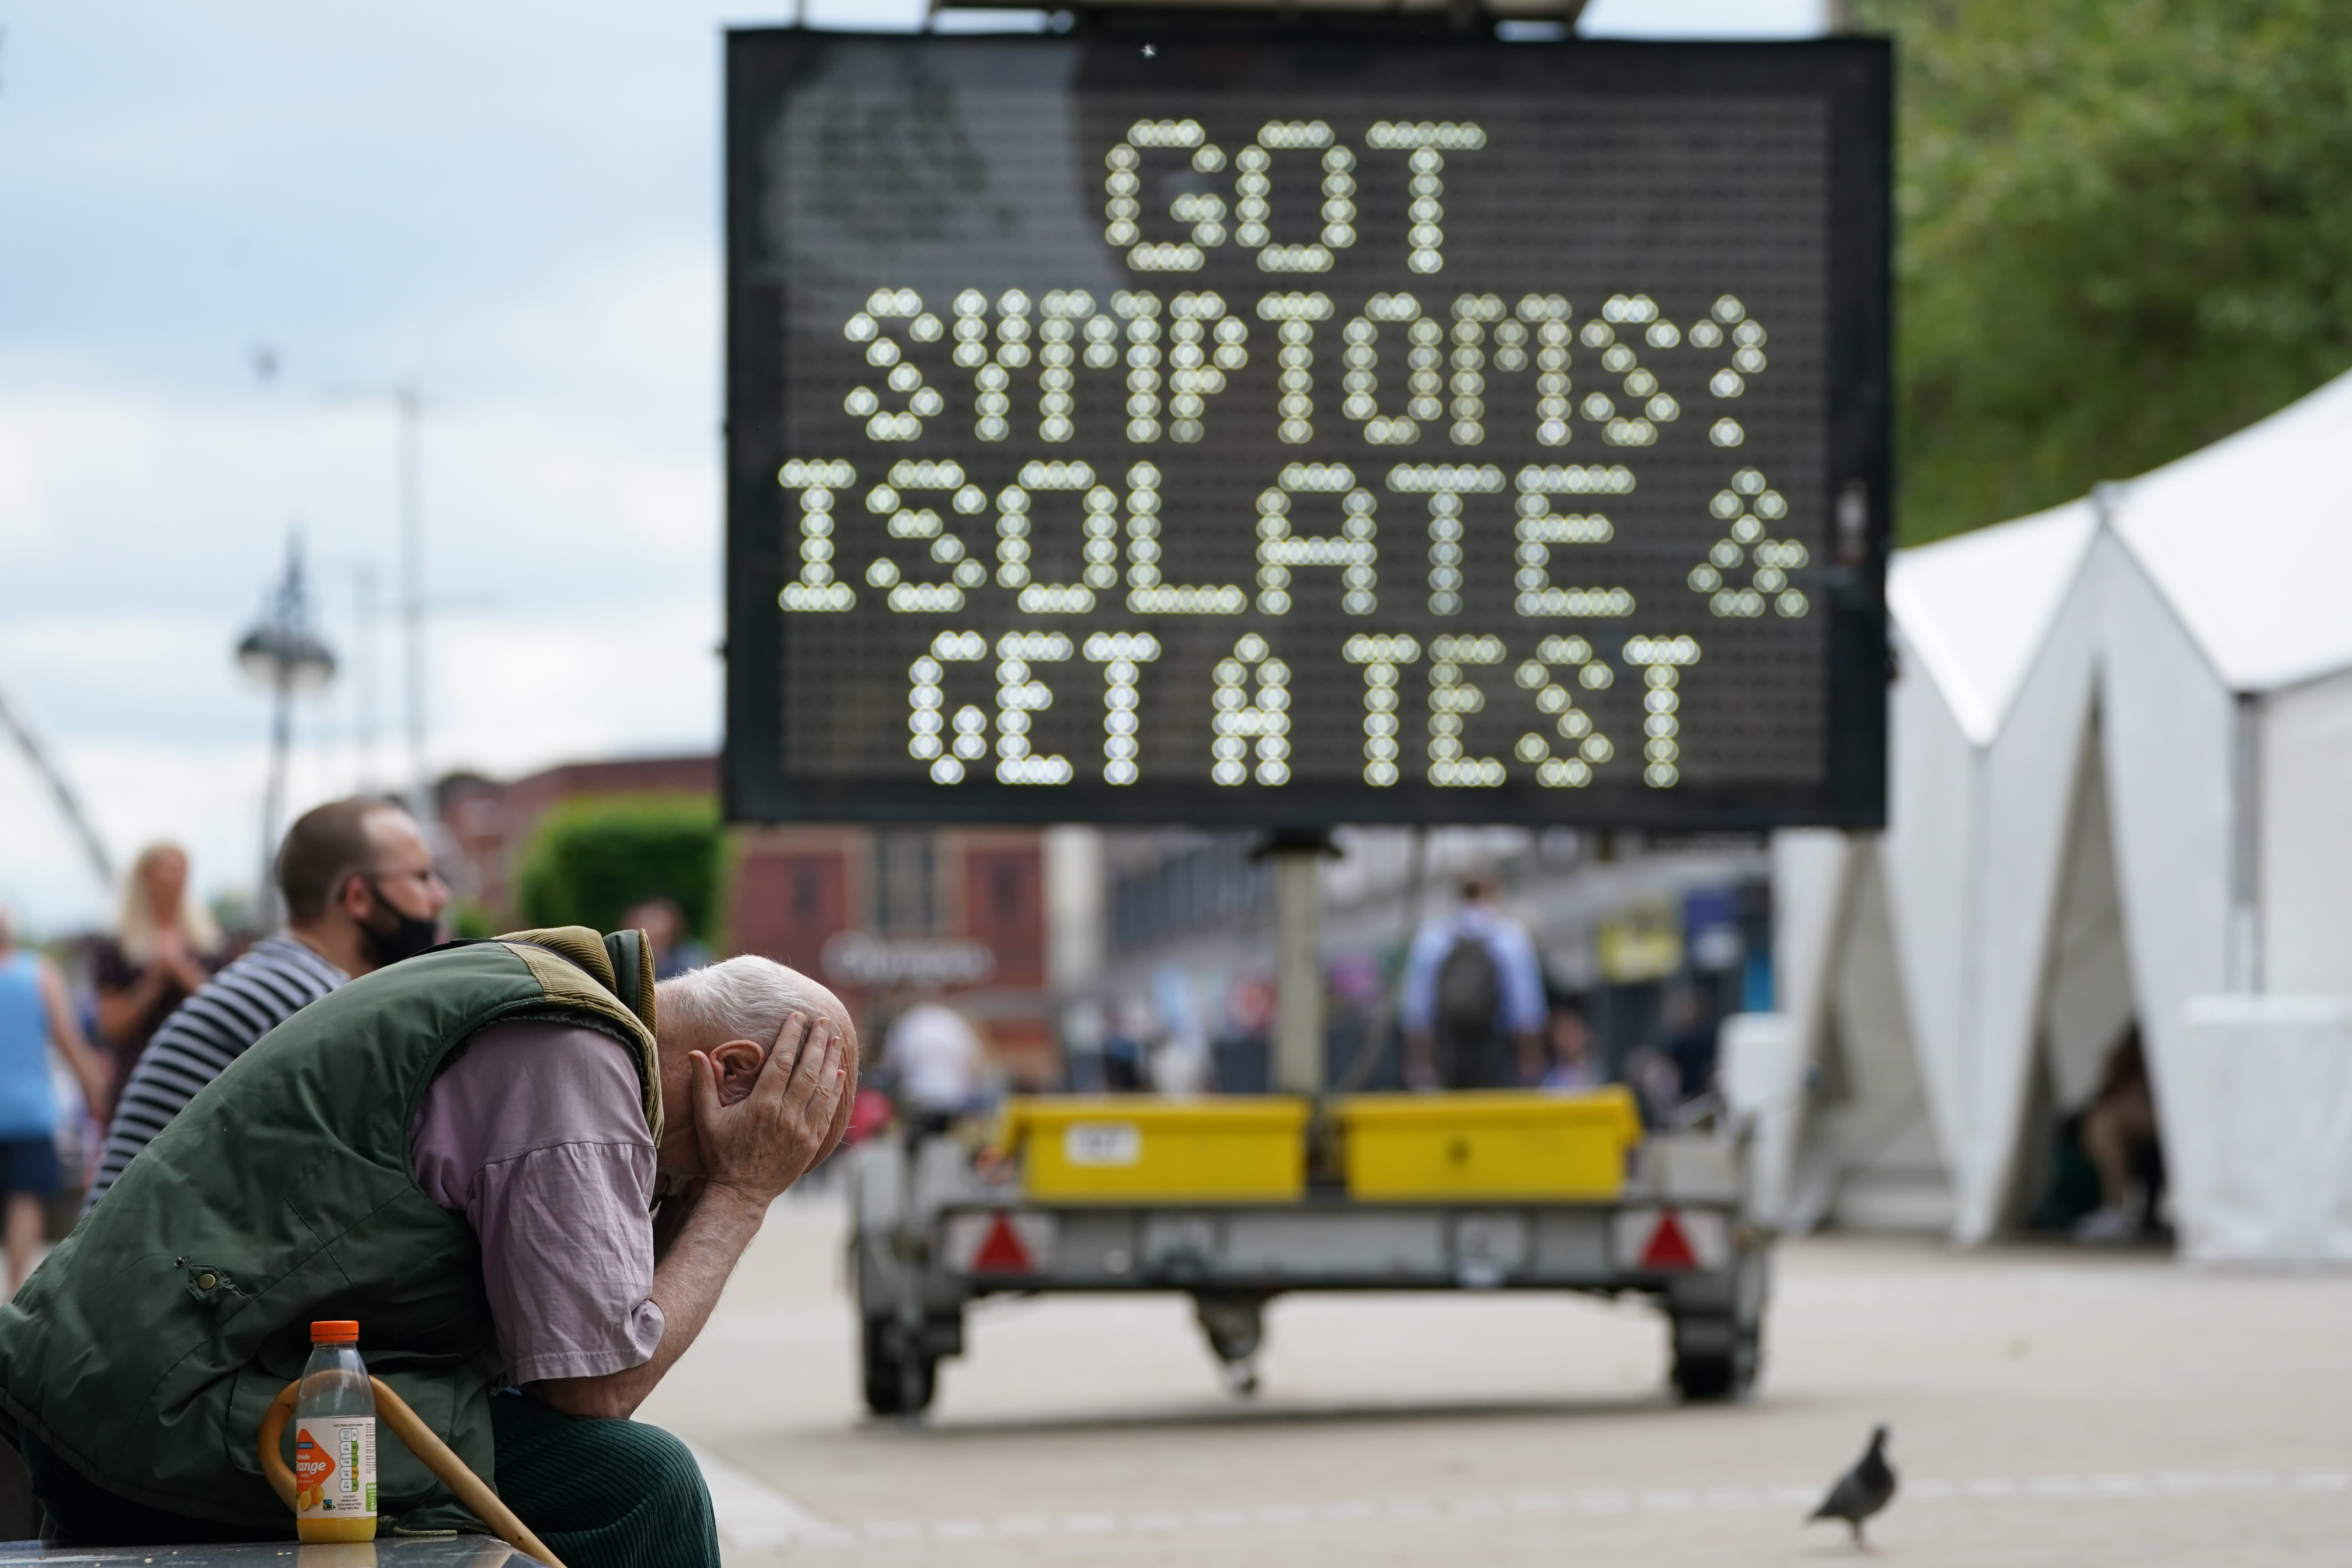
745, 998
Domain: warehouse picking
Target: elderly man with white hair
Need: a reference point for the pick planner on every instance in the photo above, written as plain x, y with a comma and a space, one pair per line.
525, 1170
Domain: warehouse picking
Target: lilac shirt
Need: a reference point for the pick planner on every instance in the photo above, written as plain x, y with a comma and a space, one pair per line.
537, 1134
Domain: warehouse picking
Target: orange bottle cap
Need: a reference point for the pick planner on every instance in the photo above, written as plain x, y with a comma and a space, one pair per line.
334, 1333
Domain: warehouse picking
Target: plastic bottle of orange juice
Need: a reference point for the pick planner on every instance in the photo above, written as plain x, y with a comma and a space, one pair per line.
334, 1439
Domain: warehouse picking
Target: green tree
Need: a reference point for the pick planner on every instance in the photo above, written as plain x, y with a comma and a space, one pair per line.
591, 859
2126, 230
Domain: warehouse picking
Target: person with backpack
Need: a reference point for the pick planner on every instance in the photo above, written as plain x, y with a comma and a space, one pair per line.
1473, 1008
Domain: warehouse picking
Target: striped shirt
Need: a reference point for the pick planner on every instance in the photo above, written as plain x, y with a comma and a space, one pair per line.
276, 978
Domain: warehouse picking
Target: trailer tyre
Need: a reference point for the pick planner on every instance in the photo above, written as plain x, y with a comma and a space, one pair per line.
1714, 1359
898, 1382
1717, 1352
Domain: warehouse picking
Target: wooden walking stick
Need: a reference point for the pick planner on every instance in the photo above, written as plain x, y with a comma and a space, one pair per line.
423, 1442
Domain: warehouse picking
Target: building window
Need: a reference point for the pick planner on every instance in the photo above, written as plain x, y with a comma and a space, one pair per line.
905, 884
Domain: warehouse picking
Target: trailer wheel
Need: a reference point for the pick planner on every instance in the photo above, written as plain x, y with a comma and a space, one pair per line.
898, 1380
1717, 1353
1714, 1359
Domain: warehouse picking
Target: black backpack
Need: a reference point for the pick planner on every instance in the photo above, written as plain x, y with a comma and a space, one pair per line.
1469, 988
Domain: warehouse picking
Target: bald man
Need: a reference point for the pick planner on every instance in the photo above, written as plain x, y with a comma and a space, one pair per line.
461, 1152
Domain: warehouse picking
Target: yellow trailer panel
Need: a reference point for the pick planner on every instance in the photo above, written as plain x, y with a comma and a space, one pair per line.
1123, 1149
1489, 1144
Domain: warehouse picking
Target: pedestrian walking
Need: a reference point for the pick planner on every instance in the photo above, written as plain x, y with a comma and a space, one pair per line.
35, 1016
934, 1056
1472, 1003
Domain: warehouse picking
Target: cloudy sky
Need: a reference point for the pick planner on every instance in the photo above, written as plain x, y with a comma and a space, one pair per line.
516, 205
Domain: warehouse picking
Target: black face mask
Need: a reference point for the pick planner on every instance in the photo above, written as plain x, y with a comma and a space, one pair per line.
408, 936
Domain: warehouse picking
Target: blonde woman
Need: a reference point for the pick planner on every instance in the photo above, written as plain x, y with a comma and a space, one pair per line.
164, 948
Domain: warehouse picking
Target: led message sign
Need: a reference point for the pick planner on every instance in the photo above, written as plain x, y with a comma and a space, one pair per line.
1358, 427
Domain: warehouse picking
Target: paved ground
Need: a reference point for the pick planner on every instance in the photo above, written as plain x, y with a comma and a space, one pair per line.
2048, 1406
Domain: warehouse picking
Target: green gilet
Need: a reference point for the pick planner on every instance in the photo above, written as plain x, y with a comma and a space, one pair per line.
146, 1347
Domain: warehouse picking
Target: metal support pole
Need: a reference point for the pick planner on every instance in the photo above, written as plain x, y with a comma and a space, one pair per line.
1299, 959
2244, 956
407, 401
273, 800
411, 592
281, 654
363, 707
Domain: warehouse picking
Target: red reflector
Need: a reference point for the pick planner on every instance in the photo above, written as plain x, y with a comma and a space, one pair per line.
1669, 1247
1001, 1252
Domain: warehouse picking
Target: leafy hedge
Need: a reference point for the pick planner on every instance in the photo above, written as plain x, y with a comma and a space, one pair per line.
591, 859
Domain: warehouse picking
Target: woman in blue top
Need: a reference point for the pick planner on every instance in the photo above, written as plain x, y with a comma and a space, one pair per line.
33, 1017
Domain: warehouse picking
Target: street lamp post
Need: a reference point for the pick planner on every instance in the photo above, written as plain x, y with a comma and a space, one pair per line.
408, 404
281, 654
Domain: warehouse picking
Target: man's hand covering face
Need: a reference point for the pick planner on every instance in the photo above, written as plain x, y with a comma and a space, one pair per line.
792, 1116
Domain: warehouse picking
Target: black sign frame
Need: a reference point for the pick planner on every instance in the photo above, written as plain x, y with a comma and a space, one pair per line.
1852, 77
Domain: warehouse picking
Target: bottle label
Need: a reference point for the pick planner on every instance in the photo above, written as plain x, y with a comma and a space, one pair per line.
334, 1468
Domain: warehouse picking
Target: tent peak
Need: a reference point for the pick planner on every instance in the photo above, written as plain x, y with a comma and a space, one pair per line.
2250, 540
1975, 610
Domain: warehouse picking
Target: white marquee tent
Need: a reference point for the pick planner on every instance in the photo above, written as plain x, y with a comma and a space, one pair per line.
2122, 790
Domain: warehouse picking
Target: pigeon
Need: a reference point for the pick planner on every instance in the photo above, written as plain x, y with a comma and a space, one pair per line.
1861, 1490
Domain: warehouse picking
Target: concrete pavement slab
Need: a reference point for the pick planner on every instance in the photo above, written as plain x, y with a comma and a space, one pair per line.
2049, 1406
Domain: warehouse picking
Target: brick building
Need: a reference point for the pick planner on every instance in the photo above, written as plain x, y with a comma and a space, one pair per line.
880, 915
